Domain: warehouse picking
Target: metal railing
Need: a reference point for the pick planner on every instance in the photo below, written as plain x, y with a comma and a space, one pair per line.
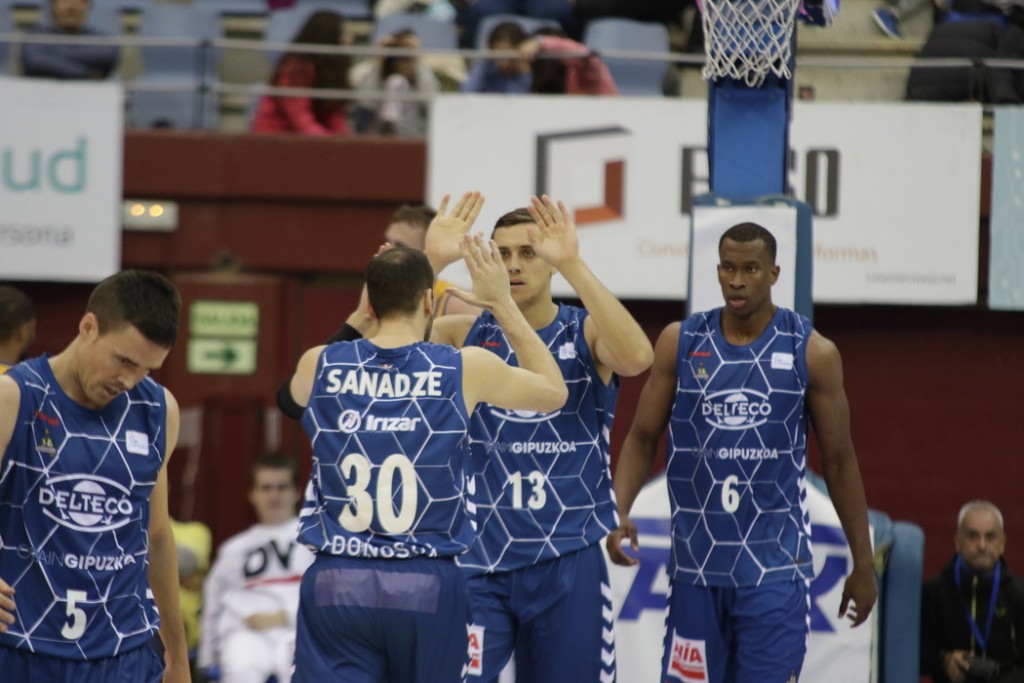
204, 81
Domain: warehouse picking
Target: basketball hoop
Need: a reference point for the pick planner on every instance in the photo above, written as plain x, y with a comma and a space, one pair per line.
748, 39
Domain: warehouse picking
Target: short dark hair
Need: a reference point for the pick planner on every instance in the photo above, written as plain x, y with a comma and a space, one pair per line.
750, 232
418, 216
516, 217
510, 32
147, 301
15, 310
273, 461
396, 279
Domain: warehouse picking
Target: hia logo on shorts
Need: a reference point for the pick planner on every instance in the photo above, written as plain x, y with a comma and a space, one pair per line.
734, 409
687, 661
86, 503
476, 650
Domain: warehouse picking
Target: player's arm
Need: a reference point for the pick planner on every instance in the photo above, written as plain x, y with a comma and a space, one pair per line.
163, 563
829, 412
445, 232
302, 380
359, 324
638, 450
537, 384
10, 400
617, 340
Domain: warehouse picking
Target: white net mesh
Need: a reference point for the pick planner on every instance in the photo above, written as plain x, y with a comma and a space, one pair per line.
748, 39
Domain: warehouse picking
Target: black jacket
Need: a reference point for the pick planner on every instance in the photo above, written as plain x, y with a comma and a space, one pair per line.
944, 624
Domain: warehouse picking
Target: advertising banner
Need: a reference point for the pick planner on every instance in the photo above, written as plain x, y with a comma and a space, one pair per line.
60, 180
835, 652
894, 188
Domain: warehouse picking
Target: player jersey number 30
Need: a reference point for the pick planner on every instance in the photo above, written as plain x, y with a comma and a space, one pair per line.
395, 507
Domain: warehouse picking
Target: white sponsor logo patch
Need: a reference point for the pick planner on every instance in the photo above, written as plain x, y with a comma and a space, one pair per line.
136, 442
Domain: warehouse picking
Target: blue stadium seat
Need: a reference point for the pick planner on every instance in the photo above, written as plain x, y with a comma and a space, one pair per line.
529, 25
352, 9
246, 7
434, 34
6, 26
900, 605
632, 76
175, 79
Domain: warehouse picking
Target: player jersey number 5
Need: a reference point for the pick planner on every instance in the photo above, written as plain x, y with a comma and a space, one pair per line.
395, 507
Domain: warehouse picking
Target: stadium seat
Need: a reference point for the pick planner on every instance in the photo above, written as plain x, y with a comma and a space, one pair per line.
6, 26
632, 76
529, 24
247, 7
175, 79
900, 605
352, 9
434, 34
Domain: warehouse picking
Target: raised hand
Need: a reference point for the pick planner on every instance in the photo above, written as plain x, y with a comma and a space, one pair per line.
442, 242
490, 277
554, 238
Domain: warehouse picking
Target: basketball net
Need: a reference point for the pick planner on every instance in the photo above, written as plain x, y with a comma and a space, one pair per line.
748, 39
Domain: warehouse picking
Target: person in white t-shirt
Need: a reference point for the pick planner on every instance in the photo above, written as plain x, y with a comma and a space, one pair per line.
251, 595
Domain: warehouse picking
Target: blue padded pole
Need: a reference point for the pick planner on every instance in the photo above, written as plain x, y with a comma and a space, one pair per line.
748, 136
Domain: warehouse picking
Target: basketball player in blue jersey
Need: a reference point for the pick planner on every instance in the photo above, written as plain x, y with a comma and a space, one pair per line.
736, 387
387, 508
537, 575
85, 537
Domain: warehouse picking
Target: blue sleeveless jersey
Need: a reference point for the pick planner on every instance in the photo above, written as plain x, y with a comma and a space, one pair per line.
390, 461
543, 484
74, 513
737, 455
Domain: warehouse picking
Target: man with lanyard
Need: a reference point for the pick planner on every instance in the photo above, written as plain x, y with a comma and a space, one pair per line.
972, 613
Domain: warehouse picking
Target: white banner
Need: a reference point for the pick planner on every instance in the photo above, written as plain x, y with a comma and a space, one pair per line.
60, 180
836, 652
895, 187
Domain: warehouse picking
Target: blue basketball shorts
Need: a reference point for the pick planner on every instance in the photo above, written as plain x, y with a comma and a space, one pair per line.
754, 634
556, 616
371, 620
141, 665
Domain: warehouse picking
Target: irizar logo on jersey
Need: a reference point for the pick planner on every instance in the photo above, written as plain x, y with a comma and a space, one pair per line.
86, 502
383, 384
688, 661
350, 421
736, 409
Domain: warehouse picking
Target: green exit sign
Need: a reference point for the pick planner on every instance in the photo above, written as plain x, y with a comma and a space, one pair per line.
237, 319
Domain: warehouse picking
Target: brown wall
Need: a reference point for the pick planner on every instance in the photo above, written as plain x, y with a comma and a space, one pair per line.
290, 222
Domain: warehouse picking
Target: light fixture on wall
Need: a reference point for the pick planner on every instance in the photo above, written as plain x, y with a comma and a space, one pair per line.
149, 215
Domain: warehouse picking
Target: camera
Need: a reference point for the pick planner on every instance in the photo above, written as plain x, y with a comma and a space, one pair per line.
981, 669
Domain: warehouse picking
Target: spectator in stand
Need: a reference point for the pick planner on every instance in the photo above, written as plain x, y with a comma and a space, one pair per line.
507, 75
561, 66
312, 116
474, 11
396, 78
574, 71
68, 61
251, 596
972, 613
18, 324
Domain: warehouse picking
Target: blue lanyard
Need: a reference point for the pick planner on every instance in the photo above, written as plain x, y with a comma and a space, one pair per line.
981, 640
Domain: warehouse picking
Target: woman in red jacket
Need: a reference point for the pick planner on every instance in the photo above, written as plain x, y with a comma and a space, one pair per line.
312, 116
